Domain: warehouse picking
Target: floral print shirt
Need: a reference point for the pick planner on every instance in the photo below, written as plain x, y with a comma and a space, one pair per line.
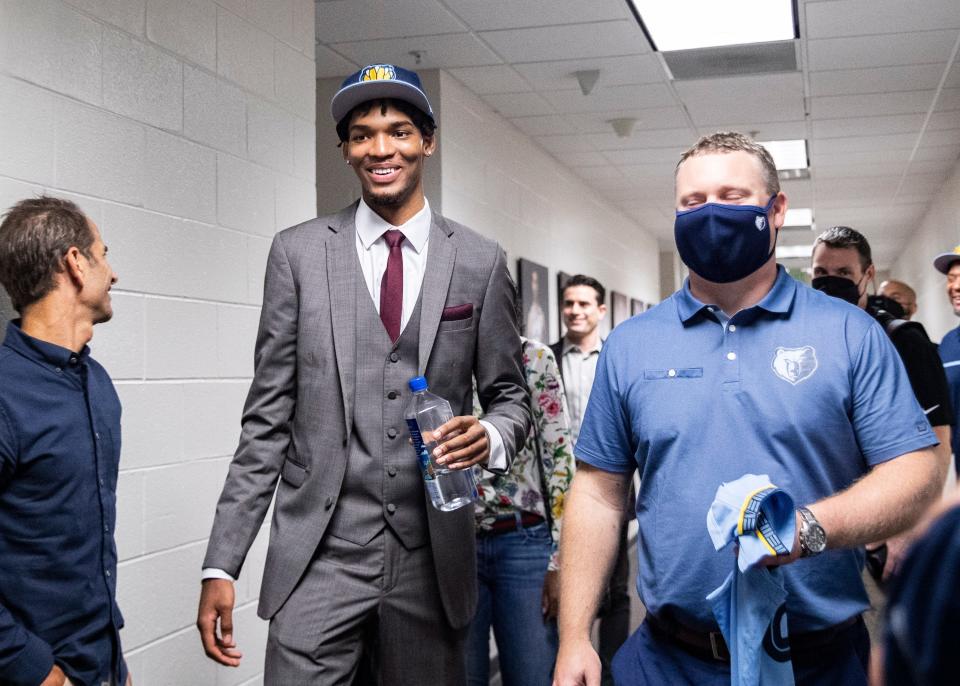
520, 488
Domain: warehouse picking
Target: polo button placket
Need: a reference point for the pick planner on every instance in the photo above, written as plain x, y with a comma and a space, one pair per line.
731, 362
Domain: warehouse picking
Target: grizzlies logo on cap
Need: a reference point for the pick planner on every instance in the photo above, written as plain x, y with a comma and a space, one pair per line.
378, 72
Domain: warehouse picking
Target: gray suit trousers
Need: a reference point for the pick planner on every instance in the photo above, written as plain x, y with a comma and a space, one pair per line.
381, 597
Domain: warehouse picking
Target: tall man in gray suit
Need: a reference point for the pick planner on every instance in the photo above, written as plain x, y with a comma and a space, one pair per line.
355, 304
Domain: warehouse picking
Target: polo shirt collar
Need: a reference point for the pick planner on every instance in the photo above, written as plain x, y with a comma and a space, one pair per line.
778, 299
370, 226
41, 351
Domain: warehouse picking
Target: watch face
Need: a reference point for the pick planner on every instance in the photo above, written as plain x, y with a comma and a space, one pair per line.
814, 538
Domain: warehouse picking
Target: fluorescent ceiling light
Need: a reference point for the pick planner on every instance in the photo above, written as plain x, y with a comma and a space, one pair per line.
689, 24
788, 154
801, 216
786, 252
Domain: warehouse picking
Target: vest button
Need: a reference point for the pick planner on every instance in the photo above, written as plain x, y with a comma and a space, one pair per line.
391, 470
328, 503
392, 395
394, 357
391, 508
391, 433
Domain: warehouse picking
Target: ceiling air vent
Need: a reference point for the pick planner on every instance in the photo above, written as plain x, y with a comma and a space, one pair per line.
732, 60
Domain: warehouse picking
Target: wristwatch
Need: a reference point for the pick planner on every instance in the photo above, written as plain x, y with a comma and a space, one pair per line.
813, 539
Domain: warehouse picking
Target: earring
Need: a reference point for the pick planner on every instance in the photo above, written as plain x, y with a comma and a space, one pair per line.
348, 162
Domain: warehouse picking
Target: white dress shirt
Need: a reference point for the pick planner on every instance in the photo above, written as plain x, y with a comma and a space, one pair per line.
372, 250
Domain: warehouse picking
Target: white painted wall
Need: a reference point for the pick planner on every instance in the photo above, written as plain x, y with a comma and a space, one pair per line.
185, 129
496, 180
938, 232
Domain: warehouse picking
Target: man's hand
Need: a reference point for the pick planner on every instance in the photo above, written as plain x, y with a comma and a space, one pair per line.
780, 560
468, 445
897, 547
550, 598
216, 602
56, 677
577, 664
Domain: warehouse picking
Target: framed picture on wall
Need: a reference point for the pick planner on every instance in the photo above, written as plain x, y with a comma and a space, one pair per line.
562, 278
636, 307
621, 308
534, 300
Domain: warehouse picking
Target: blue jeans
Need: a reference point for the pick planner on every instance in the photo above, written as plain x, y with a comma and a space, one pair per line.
510, 571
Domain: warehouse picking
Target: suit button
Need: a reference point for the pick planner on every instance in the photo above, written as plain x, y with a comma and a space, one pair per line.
394, 357
328, 503
391, 508
392, 395
391, 470
391, 433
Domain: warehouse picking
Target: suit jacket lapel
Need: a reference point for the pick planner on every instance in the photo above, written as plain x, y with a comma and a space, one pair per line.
441, 256
342, 270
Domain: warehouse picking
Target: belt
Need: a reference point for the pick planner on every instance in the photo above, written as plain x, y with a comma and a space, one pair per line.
710, 645
503, 525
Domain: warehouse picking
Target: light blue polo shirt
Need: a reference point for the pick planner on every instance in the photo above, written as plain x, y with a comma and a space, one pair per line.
803, 387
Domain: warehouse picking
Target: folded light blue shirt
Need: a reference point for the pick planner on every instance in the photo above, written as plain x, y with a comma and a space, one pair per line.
750, 605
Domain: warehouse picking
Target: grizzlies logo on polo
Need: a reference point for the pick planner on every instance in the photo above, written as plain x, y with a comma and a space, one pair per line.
378, 72
794, 365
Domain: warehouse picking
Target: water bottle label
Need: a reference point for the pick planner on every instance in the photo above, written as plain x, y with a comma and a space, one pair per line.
433, 490
426, 467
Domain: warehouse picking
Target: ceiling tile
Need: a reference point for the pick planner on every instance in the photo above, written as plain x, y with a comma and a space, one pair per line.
518, 104
764, 131
352, 20
862, 17
542, 44
611, 99
664, 158
901, 102
944, 120
498, 78
880, 51
330, 64
651, 118
443, 51
771, 97
597, 174
643, 139
897, 140
872, 126
508, 14
614, 71
565, 143
542, 125
879, 79
949, 99
579, 159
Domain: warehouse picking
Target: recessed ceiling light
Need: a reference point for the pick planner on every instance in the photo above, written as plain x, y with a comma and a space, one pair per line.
786, 252
788, 154
799, 216
708, 23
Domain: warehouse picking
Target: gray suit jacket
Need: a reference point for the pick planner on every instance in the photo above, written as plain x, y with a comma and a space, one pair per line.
298, 415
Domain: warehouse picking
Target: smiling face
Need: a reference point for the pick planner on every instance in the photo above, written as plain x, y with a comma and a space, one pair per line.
98, 279
953, 287
386, 151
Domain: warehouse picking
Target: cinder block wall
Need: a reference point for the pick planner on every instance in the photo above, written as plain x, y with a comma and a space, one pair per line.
185, 129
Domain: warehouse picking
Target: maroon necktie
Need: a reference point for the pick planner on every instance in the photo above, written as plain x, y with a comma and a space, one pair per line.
391, 286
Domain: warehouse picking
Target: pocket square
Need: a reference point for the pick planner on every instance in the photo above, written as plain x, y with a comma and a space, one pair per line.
456, 312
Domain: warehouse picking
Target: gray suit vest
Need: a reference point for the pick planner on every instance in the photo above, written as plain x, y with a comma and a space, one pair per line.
382, 483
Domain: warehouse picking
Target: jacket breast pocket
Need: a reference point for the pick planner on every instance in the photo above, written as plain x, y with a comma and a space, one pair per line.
293, 474
673, 373
456, 325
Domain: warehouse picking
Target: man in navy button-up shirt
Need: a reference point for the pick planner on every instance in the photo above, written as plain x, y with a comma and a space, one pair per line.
59, 454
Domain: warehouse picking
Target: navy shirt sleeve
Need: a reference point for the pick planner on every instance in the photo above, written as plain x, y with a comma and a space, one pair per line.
887, 419
605, 434
24, 658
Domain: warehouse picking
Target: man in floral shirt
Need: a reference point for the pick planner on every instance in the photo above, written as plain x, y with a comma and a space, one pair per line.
518, 529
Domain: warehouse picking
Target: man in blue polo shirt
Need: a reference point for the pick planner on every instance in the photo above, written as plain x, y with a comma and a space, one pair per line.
948, 264
741, 371
59, 453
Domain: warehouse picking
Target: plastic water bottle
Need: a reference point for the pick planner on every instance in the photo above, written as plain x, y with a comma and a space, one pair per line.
449, 489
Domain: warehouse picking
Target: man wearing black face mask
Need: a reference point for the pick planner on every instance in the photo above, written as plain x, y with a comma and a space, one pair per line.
742, 371
843, 267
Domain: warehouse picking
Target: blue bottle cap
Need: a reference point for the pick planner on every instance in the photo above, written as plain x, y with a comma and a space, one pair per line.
418, 383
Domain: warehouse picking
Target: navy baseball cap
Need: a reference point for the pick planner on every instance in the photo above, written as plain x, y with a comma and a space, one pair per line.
943, 261
377, 81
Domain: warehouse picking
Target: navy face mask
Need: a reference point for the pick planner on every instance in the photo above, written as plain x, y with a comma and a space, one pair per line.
839, 287
724, 243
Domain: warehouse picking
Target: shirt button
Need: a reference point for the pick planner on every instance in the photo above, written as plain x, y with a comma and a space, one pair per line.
108, 572
391, 508
106, 528
394, 357
672, 372
731, 356
732, 328
391, 433
101, 482
392, 395
391, 470
96, 435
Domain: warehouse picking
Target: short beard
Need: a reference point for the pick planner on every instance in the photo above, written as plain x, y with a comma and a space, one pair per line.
391, 200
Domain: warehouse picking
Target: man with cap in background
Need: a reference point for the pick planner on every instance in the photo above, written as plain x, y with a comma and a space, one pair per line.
948, 263
355, 304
